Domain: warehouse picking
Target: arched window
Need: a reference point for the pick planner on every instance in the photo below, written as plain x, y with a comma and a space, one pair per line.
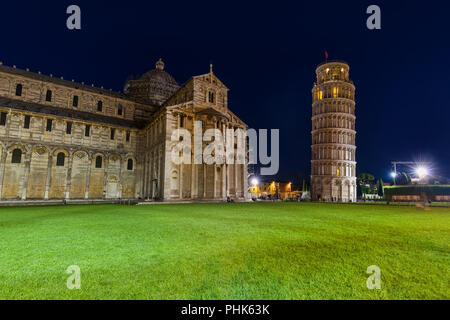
60, 158
130, 164
98, 162
99, 106
119, 110
181, 121
335, 92
19, 90
211, 97
48, 96
16, 156
75, 101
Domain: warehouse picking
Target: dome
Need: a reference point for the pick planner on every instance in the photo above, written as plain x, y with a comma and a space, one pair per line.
159, 75
154, 87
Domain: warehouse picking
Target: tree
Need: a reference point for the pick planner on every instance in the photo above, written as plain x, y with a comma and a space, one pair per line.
403, 179
365, 178
380, 188
358, 191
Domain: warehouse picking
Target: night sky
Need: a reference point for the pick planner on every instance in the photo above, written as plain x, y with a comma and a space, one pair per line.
266, 53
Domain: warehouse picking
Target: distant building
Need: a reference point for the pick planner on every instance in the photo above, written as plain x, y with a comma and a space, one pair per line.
333, 164
274, 189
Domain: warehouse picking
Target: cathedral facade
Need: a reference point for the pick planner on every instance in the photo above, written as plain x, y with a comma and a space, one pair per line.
333, 150
60, 139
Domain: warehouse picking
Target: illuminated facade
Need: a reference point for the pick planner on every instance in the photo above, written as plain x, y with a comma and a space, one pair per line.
281, 189
60, 139
333, 150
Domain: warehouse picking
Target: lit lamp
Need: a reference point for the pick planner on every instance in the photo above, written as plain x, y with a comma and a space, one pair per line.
422, 172
394, 175
254, 183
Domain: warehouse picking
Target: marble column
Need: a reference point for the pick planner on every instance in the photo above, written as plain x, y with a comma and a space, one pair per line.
2, 169
69, 175
49, 175
26, 175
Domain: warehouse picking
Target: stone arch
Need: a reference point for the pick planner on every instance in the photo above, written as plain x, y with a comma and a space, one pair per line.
112, 187
346, 190
58, 175
129, 177
37, 177
20, 146
97, 175
14, 173
80, 169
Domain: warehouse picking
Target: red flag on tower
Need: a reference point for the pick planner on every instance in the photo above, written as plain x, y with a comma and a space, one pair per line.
326, 55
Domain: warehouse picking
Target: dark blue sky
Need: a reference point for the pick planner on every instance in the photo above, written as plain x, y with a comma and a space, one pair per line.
266, 53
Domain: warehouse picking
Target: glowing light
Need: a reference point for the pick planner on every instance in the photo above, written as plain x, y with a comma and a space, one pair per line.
254, 182
393, 174
421, 172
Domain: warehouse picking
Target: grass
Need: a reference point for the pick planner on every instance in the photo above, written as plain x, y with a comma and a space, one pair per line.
224, 251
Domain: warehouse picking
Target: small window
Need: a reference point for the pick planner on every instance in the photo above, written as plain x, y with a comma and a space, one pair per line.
49, 125
16, 156
100, 106
69, 128
119, 110
87, 130
98, 162
60, 158
113, 132
211, 97
75, 101
19, 90
181, 121
3, 119
130, 164
48, 96
26, 123
127, 137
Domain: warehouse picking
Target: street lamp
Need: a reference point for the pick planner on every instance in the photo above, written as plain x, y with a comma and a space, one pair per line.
254, 182
394, 175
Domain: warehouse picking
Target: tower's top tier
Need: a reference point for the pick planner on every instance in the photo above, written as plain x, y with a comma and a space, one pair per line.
333, 71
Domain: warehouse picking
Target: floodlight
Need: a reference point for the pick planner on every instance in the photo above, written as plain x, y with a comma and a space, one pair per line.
421, 172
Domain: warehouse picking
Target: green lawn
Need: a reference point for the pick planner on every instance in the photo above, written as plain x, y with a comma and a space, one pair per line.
225, 251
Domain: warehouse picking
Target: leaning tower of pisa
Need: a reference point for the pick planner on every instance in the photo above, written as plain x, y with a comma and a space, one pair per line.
333, 149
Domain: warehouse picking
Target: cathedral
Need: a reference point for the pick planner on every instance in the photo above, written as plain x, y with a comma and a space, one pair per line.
333, 150
60, 139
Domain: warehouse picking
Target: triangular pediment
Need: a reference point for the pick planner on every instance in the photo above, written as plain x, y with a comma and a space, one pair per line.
212, 78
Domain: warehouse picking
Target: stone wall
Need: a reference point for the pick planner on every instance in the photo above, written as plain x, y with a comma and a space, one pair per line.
65, 140
39, 176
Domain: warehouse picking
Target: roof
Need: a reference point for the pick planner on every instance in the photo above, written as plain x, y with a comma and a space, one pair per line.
67, 113
72, 84
212, 111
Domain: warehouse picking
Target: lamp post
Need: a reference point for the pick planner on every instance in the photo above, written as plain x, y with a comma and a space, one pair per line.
394, 175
